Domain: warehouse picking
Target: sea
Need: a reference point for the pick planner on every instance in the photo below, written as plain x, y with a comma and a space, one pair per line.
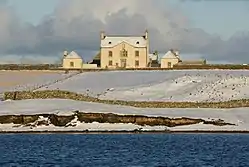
128, 150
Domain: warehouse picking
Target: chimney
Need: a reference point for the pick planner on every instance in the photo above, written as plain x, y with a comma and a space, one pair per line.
177, 52
65, 53
102, 35
146, 34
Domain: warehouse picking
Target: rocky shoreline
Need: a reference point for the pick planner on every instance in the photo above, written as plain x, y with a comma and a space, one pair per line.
59, 94
66, 120
129, 132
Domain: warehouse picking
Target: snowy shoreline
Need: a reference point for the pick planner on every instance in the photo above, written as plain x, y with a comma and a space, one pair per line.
238, 116
122, 132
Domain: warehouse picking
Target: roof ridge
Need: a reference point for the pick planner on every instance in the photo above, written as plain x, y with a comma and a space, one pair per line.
73, 55
166, 55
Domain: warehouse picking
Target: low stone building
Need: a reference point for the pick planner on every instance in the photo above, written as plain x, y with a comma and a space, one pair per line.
170, 59
192, 62
72, 61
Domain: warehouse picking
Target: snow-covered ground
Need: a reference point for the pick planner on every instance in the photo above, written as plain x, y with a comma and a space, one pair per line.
238, 116
184, 85
191, 85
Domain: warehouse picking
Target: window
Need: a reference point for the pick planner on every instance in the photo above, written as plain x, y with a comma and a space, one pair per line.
110, 53
169, 64
71, 64
137, 42
124, 53
110, 42
137, 53
110, 62
136, 63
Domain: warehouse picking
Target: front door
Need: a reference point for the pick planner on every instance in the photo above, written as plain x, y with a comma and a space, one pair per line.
123, 63
169, 65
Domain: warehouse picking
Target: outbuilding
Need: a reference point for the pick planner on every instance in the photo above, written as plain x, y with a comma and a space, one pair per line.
72, 61
170, 59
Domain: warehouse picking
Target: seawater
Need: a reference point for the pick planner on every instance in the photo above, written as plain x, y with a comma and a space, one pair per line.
128, 150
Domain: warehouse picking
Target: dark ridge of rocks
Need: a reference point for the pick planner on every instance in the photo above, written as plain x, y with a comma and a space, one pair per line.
59, 94
60, 120
65, 121
18, 119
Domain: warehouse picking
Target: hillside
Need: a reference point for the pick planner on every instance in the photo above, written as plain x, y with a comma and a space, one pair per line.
192, 85
29, 80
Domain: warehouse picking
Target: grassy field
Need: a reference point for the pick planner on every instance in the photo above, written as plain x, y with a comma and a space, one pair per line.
23, 80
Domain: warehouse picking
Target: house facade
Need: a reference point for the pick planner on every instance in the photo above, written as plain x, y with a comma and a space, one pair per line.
72, 61
124, 51
170, 59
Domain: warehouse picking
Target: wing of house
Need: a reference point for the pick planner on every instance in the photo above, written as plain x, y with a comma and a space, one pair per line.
72, 61
170, 59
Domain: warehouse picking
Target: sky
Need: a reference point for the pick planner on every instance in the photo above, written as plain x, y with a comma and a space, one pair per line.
216, 29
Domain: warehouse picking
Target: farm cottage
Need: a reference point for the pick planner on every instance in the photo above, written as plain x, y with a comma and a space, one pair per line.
170, 59
72, 61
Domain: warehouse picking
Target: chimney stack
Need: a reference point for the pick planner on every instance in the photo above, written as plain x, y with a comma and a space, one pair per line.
177, 52
146, 34
65, 53
102, 35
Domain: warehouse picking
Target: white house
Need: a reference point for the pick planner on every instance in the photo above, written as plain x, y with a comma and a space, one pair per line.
72, 61
170, 59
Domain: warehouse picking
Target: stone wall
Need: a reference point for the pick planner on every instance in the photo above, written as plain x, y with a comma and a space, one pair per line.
59, 94
175, 67
28, 67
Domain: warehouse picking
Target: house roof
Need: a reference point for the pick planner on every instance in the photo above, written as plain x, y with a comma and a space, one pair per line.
97, 57
73, 55
111, 41
170, 55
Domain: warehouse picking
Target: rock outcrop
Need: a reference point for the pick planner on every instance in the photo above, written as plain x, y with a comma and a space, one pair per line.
64, 121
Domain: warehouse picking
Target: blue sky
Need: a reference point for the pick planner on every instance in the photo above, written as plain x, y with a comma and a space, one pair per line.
221, 17
224, 17
33, 10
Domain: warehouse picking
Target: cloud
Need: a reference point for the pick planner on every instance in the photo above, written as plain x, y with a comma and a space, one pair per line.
76, 24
